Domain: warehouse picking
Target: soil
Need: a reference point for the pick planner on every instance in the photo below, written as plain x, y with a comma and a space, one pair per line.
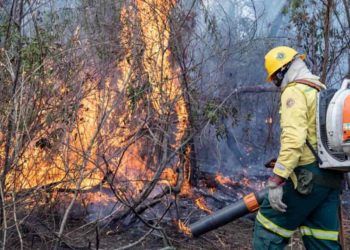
235, 235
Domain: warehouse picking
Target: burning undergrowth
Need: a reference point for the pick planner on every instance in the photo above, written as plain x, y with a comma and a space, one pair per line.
114, 147
104, 206
111, 211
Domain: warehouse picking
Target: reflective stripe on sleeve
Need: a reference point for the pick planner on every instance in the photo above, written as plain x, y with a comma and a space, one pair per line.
319, 234
273, 227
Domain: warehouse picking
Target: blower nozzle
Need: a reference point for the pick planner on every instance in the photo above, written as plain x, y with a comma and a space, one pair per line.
246, 205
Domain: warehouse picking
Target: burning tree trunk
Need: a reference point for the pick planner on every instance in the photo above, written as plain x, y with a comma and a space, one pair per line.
149, 57
179, 35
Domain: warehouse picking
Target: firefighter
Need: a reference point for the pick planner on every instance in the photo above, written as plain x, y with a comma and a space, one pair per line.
301, 195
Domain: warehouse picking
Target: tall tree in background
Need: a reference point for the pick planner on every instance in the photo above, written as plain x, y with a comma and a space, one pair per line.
346, 4
323, 33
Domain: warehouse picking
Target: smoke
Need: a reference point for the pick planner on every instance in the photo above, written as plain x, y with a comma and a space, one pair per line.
230, 54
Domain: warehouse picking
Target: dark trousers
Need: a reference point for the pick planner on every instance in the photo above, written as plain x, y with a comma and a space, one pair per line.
316, 215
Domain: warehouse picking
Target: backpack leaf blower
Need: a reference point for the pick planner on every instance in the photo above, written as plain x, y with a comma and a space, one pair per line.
333, 127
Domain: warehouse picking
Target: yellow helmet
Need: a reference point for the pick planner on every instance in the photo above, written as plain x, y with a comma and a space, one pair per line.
276, 58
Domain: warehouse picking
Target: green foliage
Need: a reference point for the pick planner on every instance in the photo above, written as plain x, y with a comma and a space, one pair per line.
285, 10
293, 7
215, 114
2, 29
135, 94
295, 4
310, 32
35, 46
249, 117
32, 56
211, 112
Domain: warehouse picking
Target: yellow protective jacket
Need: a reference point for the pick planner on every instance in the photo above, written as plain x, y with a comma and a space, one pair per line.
298, 123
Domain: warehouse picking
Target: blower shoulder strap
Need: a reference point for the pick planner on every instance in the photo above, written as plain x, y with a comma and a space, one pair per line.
318, 88
318, 159
309, 83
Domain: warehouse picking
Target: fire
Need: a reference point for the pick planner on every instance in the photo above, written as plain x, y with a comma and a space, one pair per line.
144, 76
223, 180
150, 19
186, 187
185, 229
212, 190
74, 156
200, 202
169, 177
226, 181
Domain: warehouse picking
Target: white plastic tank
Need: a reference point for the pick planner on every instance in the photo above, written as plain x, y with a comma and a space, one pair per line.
334, 119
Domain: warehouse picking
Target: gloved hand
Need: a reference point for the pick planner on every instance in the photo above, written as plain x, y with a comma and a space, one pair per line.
275, 185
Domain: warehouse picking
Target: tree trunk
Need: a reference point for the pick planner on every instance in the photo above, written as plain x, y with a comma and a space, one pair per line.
17, 13
347, 13
327, 25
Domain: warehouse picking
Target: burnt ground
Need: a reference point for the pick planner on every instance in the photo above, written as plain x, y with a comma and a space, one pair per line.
235, 235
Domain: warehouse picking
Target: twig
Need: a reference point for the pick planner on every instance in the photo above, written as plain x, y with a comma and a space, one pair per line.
4, 231
16, 221
97, 231
150, 186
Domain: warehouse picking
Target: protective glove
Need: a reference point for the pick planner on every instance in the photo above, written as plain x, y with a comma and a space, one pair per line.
275, 185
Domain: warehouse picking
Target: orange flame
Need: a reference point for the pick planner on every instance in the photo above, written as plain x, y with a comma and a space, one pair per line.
212, 190
200, 202
184, 228
186, 188
169, 177
145, 29
223, 180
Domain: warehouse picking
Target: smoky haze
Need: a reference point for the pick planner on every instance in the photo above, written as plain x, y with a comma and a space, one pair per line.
232, 54
231, 39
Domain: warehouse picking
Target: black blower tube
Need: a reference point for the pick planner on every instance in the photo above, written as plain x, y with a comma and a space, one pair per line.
225, 215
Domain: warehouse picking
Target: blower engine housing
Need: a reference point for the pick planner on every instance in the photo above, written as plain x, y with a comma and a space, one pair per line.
333, 127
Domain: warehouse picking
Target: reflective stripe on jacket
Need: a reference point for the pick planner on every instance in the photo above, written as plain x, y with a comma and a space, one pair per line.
298, 123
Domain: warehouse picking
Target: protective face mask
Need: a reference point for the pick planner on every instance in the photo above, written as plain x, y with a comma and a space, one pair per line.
278, 76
